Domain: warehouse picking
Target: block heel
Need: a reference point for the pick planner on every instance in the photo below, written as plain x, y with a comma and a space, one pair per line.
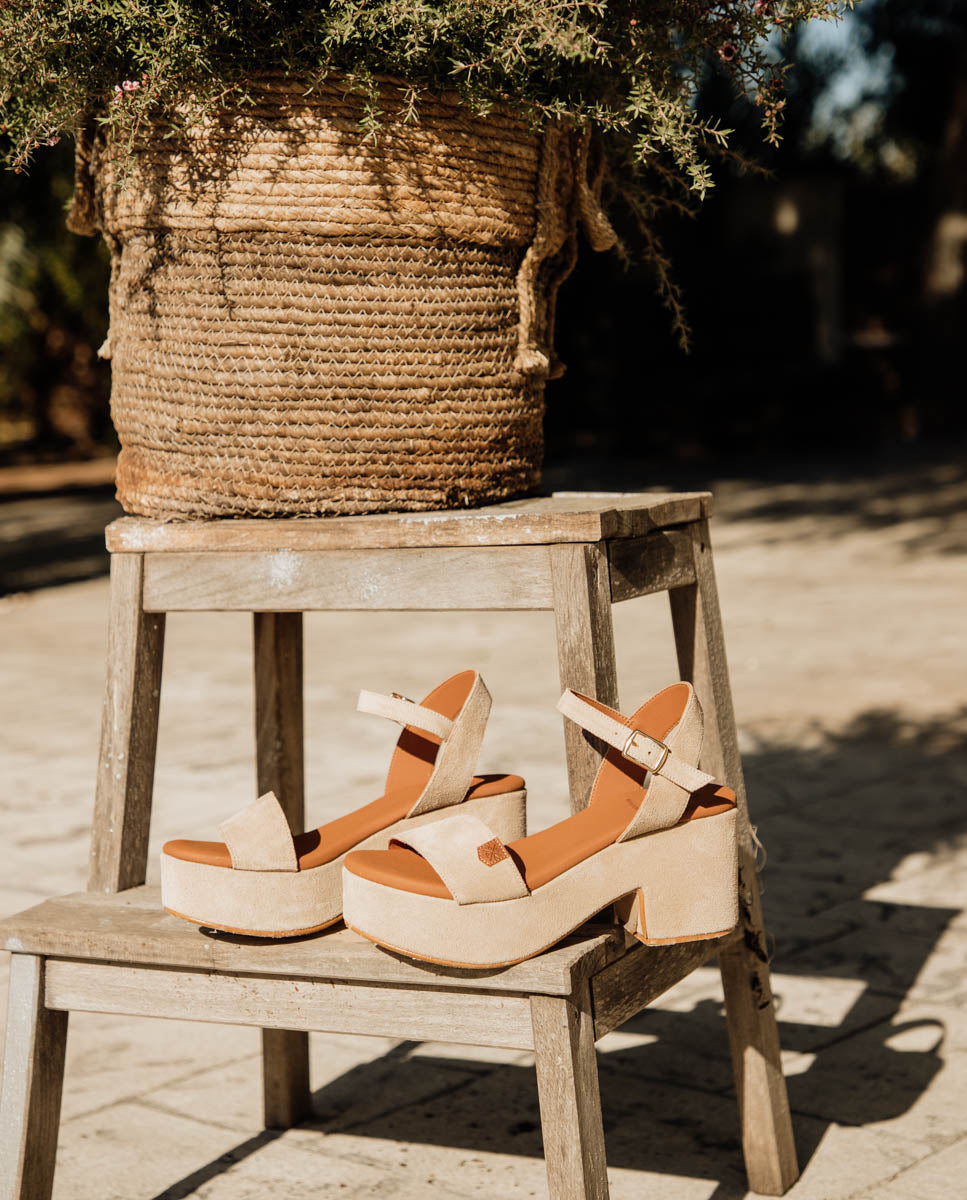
700, 900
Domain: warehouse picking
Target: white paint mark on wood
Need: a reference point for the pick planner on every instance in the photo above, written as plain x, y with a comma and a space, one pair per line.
283, 569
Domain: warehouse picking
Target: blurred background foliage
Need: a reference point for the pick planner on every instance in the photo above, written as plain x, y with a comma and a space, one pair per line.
827, 300
53, 318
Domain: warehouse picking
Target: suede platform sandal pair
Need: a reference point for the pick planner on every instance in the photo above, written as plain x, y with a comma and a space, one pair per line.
264, 882
467, 889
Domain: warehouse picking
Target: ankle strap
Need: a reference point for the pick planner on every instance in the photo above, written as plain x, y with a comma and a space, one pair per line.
648, 752
674, 778
405, 712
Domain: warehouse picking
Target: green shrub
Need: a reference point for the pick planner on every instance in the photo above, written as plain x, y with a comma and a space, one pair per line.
628, 69
53, 318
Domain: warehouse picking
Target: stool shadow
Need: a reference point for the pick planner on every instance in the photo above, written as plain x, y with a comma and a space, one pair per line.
838, 817
668, 1104
189, 1184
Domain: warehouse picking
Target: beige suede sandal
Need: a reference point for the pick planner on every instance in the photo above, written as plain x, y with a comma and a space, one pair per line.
457, 893
263, 881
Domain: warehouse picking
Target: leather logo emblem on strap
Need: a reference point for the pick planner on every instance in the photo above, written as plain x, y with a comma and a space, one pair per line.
492, 852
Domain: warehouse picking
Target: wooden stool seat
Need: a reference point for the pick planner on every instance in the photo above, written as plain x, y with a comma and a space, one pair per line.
87, 936
113, 949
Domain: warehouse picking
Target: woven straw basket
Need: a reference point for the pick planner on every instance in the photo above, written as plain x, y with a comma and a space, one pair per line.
305, 321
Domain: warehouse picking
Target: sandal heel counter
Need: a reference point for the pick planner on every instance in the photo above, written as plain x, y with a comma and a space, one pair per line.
506, 813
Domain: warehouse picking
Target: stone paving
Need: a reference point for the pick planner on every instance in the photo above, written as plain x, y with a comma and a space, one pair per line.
844, 608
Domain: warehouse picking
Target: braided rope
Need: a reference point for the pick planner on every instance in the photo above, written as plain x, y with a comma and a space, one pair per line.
304, 321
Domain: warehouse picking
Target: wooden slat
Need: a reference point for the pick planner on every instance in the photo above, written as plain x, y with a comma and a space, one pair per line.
637, 978
500, 577
33, 1074
564, 517
129, 733
279, 735
286, 1088
653, 563
585, 650
382, 1010
280, 768
133, 928
767, 1140
567, 1082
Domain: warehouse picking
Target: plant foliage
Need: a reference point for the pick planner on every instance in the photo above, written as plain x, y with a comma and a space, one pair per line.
629, 69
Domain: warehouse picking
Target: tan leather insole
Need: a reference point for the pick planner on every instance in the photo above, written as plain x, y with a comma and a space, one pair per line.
322, 845
409, 773
617, 794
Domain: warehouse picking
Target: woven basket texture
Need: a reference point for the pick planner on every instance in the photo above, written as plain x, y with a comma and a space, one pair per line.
305, 320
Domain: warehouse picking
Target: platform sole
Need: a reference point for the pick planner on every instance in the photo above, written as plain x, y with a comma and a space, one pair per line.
276, 904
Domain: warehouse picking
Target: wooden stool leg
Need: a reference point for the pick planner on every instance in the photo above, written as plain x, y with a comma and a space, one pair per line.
33, 1076
767, 1139
280, 768
567, 1083
129, 733
581, 584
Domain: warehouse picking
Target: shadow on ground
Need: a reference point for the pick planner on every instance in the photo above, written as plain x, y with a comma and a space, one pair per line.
919, 498
920, 493
46, 540
839, 813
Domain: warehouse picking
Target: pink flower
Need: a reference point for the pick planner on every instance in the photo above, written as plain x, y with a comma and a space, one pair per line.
728, 51
127, 85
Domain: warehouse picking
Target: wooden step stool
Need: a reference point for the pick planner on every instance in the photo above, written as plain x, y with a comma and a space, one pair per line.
113, 949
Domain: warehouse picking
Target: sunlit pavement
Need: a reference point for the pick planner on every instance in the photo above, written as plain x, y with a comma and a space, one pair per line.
845, 621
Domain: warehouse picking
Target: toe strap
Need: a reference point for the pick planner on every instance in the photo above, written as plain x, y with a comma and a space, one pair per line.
470, 859
259, 838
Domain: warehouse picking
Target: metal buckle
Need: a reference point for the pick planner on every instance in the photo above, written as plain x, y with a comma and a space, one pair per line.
630, 741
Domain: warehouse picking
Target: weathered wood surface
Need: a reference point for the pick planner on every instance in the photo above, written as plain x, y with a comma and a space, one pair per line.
567, 1083
131, 927
585, 650
324, 1006
33, 1074
282, 580
653, 563
634, 980
129, 733
286, 1087
767, 1139
280, 768
279, 732
563, 517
